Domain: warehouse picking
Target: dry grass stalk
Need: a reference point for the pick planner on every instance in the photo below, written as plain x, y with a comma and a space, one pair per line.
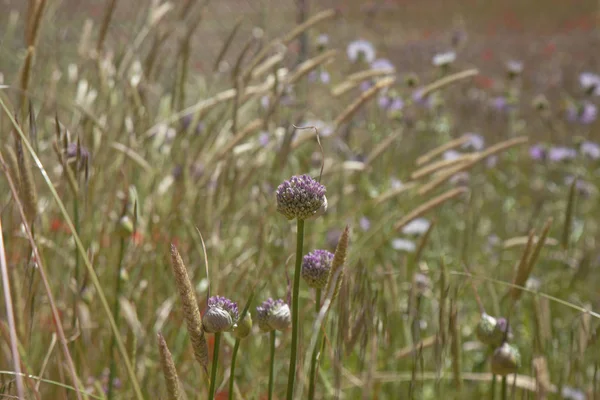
268, 65
42, 273
523, 240
381, 147
497, 148
521, 274
455, 351
108, 13
526, 266
542, 377
364, 97
169, 370
13, 166
355, 80
191, 311
227, 44
27, 189
339, 259
409, 350
569, 214
431, 204
307, 66
390, 194
448, 80
441, 165
425, 158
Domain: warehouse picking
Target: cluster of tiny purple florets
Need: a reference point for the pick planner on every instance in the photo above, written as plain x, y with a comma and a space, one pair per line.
315, 268
300, 197
224, 303
267, 315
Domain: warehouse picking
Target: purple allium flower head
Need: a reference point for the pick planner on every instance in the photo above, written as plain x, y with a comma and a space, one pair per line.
383, 64
301, 197
537, 152
444, 59
584, 113
590, 149
221, 316
273, 315
364, 223
417, 226
505, 360
559, 153
590, 82
361, 50
475, 142
315, 268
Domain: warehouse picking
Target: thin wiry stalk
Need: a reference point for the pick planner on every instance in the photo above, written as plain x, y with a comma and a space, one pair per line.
42, 271
236, 347
214, 367
295, 309
90, 269
115, 311
313, 361
10, 315
271, 363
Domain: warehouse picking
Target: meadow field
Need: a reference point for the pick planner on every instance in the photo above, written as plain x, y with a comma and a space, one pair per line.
304, 200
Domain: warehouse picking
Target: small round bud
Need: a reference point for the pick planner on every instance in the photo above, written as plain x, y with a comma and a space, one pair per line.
315, 268
505, 360
492, 331
411, 80
124, 227
221, 316
300, 197
273, 315
244, 326
540, 103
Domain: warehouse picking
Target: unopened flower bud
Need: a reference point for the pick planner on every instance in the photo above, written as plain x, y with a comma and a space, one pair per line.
244, 326
124, 226
273, 315
505, 360
315, 268
221, 315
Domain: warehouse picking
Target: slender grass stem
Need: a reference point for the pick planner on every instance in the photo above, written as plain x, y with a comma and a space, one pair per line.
493, 387
236, 346
295, 303
215, 364
272, 365
504, 388
313, 361
116, 310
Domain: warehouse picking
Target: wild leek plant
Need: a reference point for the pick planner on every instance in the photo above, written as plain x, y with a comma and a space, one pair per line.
221, 316
273, 315
299, 198
316, 267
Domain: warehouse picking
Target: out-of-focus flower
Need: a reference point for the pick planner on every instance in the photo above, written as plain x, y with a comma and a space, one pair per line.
322, 42
364, 223
475, 142
419, 98
590, 149
403, 245
585, 113
537, 152
383, 64
560, 153
590, 83
505, 360
325, 129
451, 155
514, 68
417, 226
361, 50
263, 138
319, 76
444, 59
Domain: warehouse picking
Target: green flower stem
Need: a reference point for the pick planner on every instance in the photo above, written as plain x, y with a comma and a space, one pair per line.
213, 369
295, 303
504, 388
115, 313
313, 361
236, 346
493, 388
272, 365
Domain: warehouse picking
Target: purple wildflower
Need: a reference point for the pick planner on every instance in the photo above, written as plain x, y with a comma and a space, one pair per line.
364, 223
537, 152
584, 113
361, 50
263, 138
273, 315
559, 153
222, 315
383, 64
315, 268
590, 149
301, 197
590, 82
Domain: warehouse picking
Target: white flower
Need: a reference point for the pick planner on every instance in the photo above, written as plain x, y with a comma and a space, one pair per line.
416, 227
443, 59
361, 48
383, 64
403, 245
475, 142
